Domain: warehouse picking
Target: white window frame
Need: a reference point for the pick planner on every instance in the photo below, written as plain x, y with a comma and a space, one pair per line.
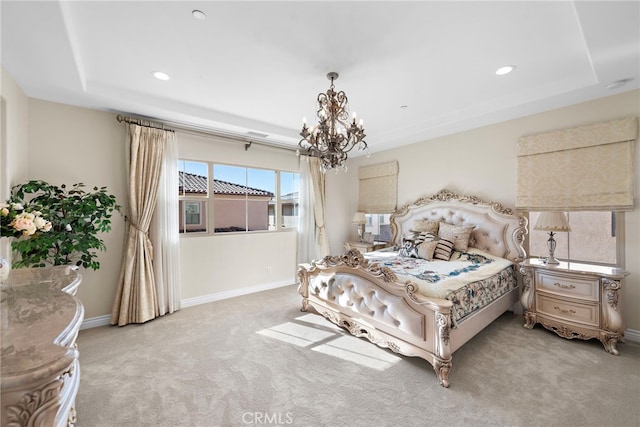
209, 214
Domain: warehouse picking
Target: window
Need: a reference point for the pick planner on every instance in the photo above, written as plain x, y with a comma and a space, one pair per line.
289, 198
593, 238
192, 214
193, 192
239, 199
379, 225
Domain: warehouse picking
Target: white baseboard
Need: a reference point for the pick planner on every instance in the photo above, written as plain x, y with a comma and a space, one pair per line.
190, 302
632, 335
94, 322
105, 320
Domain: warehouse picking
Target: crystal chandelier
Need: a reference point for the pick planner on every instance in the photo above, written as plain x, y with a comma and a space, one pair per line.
333, 137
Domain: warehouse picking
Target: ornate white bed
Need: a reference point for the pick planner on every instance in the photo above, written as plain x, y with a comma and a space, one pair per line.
369, 300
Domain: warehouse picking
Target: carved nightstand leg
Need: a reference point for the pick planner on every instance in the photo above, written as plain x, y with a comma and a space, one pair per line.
529, 320
609, 341
305, 304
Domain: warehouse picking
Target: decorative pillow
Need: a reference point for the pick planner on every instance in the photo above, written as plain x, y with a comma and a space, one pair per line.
426, 249
426, 236
419, 237
459, 235
426, 225
443, 249
409, 249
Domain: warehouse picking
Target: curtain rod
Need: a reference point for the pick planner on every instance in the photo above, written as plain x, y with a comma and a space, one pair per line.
194, 130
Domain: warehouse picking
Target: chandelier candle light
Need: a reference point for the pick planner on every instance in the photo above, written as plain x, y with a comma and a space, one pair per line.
552, 221
333, 137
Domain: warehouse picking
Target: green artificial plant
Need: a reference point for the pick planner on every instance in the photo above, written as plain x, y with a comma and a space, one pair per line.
76, 216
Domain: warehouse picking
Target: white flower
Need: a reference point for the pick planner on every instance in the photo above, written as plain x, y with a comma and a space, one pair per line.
40, 222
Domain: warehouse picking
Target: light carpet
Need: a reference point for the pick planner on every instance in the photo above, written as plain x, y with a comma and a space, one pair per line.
257, 360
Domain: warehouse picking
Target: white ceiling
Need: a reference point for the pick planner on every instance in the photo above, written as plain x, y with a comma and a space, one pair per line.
258, 66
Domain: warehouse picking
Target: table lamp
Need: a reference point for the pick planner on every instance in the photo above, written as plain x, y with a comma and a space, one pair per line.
552, 221
360, 219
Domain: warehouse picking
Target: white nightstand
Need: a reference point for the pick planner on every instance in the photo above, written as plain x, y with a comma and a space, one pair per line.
574, 300
365, 247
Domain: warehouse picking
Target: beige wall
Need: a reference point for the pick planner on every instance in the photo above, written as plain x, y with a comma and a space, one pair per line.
482, 162
13, 141
68, 145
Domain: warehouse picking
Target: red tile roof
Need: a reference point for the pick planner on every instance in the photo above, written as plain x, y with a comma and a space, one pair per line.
197, 184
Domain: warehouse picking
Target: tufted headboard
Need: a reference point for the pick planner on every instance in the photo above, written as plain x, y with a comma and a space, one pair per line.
497, 230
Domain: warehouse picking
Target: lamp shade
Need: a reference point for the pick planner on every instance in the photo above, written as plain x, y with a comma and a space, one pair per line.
360, 218
552, 221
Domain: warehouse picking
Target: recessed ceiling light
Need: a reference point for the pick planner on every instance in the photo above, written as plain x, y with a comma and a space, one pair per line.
198, 14
618, 83
160, 75
404, 106
505, 70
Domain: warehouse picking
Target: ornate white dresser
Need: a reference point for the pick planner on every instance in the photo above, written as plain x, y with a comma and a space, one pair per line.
41, 318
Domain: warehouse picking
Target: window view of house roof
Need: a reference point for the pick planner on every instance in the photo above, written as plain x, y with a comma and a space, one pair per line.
189, 183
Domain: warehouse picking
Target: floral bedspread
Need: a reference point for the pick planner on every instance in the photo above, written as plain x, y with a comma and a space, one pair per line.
470, 279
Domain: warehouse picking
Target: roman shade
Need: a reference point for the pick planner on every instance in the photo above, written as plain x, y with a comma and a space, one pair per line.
578, 169
378, 188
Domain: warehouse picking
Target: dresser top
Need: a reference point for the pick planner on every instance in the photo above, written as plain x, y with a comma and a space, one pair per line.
61, 277
38, 320
577, 268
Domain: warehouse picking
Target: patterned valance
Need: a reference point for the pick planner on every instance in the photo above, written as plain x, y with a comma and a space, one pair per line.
378, 189
583, 168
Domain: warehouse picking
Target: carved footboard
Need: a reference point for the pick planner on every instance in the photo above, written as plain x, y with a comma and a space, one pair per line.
369, 301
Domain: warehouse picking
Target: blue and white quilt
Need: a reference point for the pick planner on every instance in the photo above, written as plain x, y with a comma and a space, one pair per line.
437, 278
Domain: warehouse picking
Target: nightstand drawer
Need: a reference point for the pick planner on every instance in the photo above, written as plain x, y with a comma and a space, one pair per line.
588, 314
570, 286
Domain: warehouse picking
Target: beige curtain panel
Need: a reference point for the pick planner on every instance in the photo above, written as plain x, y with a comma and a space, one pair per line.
136, 300
579, 169
378, 188
319, 203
